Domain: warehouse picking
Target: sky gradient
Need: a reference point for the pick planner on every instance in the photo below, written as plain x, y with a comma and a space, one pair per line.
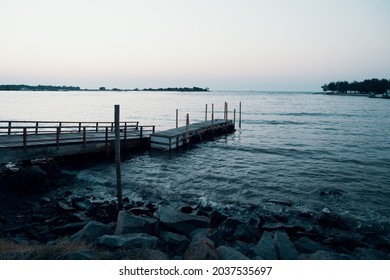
221, 44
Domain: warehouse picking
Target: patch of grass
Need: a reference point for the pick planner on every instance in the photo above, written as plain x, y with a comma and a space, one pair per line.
60, 249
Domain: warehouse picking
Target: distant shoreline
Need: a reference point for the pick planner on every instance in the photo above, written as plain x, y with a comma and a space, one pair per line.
23, 87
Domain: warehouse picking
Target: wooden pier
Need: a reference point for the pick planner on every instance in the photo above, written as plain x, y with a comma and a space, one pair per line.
26, 140
176, 137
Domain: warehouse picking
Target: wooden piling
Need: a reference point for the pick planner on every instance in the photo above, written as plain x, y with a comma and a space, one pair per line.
205, 114
24, 138
177, 118
234, 116
118, 159
212, 114
239, 116
187, 124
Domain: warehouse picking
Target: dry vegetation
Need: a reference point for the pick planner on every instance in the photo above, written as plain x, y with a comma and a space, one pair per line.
60, 249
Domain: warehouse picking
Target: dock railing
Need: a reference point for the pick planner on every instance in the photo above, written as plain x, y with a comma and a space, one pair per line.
24, 133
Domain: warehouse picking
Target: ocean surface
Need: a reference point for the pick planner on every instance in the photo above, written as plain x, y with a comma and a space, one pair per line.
315, 151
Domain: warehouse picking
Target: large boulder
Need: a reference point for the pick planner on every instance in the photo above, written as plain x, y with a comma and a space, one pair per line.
92, 231
132, 241
31, 179
201, 248
173, 220
228, 253
130, 223
175, 243
305, 245
265, 248
284, 248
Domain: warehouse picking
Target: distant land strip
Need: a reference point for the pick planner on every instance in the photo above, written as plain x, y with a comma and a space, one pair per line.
366, 87
75, 88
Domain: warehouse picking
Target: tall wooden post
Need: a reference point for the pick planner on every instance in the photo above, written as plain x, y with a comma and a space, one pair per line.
234, 117
118, 158
177, 118
212, 114
239, 116
205, 114
187, 124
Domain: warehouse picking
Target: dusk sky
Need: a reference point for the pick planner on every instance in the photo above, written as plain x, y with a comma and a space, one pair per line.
221, 44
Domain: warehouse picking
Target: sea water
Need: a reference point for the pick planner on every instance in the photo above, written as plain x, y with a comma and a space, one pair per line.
316, 152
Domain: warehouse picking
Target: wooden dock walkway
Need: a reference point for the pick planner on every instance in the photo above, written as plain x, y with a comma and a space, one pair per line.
176, 137
26, 140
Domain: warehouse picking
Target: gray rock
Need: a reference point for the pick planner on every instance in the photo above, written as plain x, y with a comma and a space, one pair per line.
281, 201
305, 245
68, 229
81, 203
64, 207
201, 248
182, 223
130, 223
149, 254
176, 243
265, 248
80, 255
92, 231
211, 233
132, 240
367, 254
247, 233
324, 255
284, 247
228, 253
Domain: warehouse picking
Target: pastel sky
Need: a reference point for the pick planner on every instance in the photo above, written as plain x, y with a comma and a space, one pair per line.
220, 44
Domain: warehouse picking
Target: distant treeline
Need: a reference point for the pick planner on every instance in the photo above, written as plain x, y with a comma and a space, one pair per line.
365, 87
70, 88
38, 88
176, 89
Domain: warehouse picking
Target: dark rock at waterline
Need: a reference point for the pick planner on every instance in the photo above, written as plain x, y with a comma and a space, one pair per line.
332, 220
132, 240
324, 255
64, 207
228, 253
217, 218
30, 179
92, 231
68, 229
171, 219
201, 248
130, 223
81, 203
284, 248
280, 201
247, 233
138, 211
305, 245
265, 248
175, 243
347, 239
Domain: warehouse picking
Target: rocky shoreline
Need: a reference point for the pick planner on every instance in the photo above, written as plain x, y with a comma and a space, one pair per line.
32, 216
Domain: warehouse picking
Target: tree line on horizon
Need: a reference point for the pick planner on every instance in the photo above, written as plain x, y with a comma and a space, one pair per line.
38, 88
365, 87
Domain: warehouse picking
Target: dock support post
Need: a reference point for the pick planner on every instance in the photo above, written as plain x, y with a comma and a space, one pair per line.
24, 138
36, 127
177, 118
226, 111
205, 114
212, 114
118, 159
234, 117
58, 137
187, 124
84, 136
9, 128
239, 116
